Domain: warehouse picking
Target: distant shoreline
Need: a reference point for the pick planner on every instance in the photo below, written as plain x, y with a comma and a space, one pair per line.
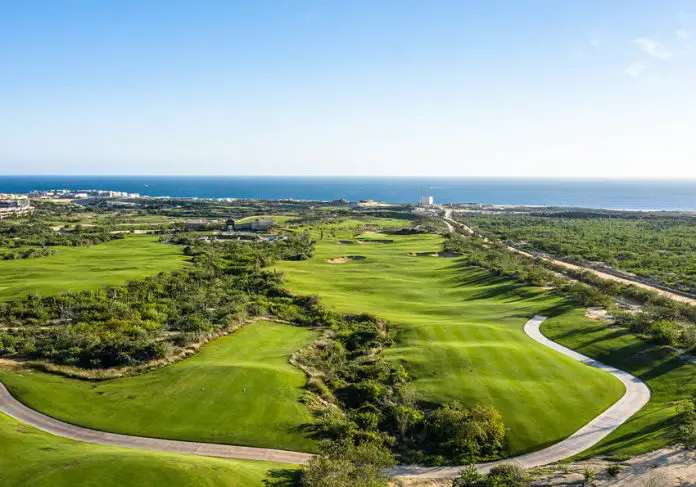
617, 195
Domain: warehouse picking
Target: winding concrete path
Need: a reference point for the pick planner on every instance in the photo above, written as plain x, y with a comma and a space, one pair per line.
636, 396
12, 407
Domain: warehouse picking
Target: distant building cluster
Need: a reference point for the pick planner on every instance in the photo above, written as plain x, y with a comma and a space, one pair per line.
256, 225
427, 200
12, 205
82, 194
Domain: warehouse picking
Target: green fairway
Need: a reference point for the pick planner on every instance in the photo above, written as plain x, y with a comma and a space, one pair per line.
238, 390
669, 377
459, 332
31, 458
78, 268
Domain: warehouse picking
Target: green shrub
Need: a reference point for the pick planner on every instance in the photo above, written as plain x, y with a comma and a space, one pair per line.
614, 469
469, 433
468, 478
507, 475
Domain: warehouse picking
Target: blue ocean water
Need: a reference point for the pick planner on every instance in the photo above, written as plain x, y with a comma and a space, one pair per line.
610, 194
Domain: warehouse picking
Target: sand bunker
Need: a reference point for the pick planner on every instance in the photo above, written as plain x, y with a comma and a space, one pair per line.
373, 241
343, 260
433, 254
346, 242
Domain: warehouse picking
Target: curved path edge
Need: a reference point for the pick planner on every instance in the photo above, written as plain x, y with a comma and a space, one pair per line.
636, 396
15, 409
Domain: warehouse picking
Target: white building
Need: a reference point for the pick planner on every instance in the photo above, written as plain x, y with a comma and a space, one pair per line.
427, 200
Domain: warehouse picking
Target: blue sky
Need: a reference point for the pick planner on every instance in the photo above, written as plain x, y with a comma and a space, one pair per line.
582, 88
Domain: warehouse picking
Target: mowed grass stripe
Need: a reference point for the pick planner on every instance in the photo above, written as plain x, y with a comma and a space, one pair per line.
459, 332
238, 390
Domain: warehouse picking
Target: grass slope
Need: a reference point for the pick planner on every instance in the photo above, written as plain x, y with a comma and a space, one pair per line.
78, 268
238, 390
460, 333
32, 458
669, 377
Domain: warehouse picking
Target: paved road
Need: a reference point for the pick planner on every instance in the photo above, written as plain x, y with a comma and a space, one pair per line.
636, 396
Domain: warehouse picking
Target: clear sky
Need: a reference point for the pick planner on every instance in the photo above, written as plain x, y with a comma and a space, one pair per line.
591, 88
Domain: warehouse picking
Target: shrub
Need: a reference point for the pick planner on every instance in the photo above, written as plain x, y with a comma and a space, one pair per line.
345, 464
589, 476
507, 475
467, 432
614, 469
468, 478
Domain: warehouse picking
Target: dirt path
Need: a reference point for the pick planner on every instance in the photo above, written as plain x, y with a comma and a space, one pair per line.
637, 394
602, 275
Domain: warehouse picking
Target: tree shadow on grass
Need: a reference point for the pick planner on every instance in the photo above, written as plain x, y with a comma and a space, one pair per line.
663, 429
283, 477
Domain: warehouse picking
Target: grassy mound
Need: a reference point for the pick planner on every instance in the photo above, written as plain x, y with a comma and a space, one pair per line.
32, 458
459, 333
78, 268
238, 390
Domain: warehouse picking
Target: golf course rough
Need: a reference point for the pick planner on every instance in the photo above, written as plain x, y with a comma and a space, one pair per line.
32, 458
459, 333
238, 390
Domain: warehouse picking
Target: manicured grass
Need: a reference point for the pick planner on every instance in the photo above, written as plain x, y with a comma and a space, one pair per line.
79, 268
32, 458
670, 379
459, 332
238, 390
275, 218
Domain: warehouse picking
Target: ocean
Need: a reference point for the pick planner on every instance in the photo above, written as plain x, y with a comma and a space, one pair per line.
586, 193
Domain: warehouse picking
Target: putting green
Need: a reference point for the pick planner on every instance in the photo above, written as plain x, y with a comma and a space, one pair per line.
32, 458
79, 268
238, 390
459, 332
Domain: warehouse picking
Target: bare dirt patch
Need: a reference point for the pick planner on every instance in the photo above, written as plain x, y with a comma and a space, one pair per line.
344, 259
599, 314
661, 468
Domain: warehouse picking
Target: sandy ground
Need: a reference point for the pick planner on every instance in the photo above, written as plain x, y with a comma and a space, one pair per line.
600, 274
343, 260
669, 467
599, 314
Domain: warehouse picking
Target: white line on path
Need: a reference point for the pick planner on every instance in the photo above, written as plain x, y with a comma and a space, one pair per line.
636, 396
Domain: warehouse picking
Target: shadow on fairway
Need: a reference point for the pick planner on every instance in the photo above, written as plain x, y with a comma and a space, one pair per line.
666, 427
283, 477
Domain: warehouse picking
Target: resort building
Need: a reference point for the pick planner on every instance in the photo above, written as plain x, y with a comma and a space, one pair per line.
427, 200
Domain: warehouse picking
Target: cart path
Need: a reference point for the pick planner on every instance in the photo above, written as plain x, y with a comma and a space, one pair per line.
636, 396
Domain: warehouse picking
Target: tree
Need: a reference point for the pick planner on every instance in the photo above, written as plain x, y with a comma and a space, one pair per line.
469, 477
345, 464
468, 432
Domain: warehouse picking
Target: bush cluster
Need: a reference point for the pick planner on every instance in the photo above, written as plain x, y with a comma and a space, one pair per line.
147, 319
